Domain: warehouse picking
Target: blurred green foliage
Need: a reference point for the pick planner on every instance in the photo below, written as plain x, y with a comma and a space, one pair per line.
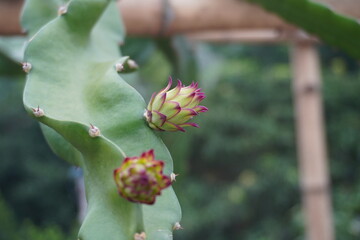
27, 230
238, 172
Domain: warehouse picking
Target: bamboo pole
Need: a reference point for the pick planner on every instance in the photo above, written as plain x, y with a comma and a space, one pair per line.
167, 17
314, 179
251, 36
10, 17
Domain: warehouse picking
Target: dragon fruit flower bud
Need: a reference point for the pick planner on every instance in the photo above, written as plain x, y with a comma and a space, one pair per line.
170, 110
141, 179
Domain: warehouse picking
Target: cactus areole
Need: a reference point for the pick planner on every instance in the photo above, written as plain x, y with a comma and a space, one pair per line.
140, 179
170, 110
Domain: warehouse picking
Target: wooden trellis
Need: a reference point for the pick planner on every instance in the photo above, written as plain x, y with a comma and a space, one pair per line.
238, 21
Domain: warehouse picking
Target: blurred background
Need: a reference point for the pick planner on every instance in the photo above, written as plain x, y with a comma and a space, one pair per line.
238, 172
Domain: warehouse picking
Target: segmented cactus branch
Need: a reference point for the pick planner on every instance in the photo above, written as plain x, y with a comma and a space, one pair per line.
73, 52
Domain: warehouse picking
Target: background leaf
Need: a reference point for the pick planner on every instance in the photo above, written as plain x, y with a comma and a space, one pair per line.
333, 28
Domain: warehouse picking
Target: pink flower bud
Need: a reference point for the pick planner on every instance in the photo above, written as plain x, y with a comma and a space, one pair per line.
170, 110
140, 179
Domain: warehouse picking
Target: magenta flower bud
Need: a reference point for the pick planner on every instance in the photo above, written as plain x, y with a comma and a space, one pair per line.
170, 110
140, 179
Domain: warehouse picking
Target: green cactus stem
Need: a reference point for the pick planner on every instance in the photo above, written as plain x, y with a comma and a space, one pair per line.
74, 82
